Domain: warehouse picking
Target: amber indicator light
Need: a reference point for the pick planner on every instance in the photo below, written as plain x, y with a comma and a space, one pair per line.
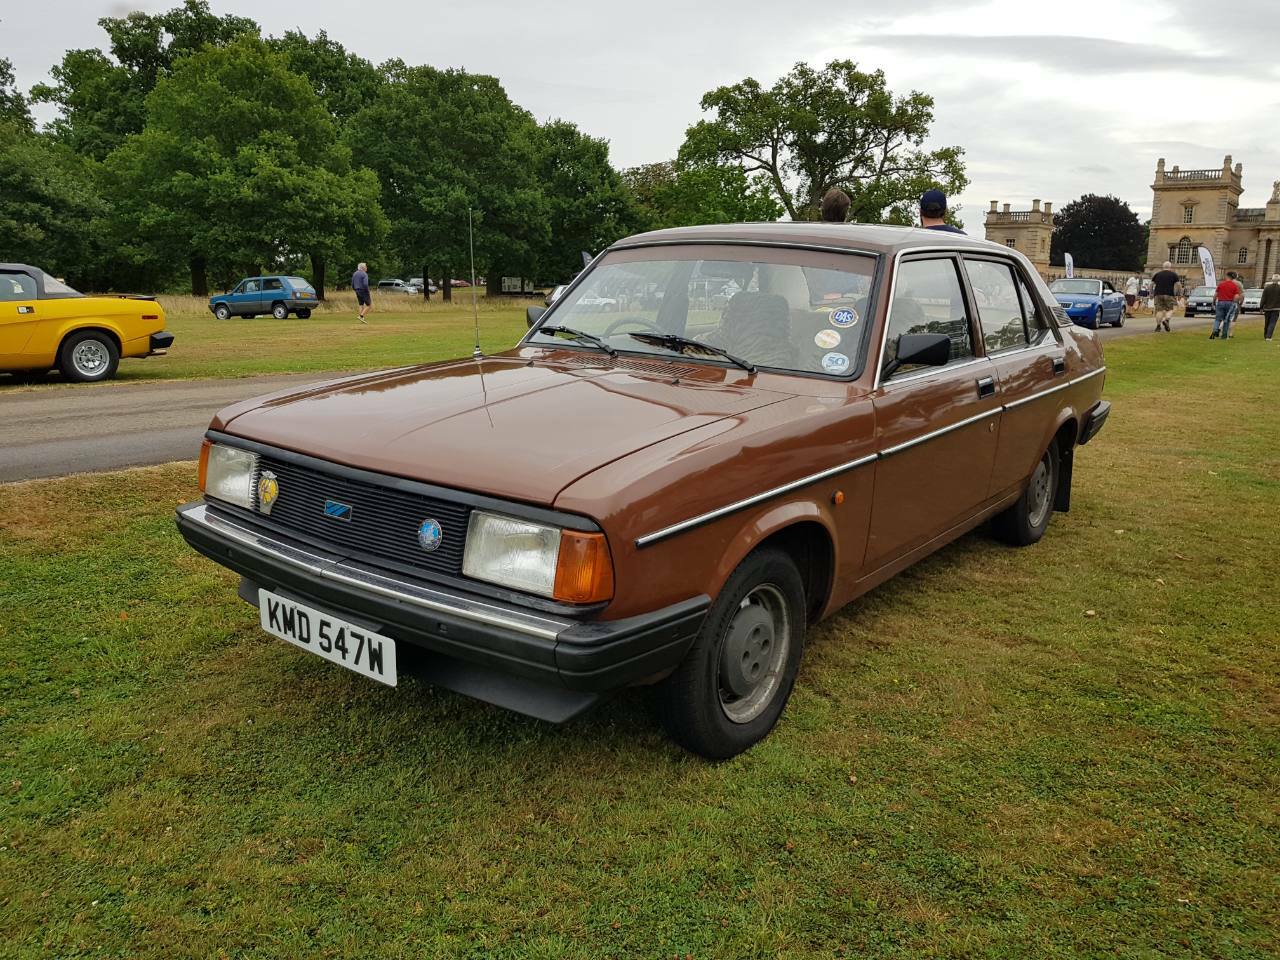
584, 571
204, 462
838, 497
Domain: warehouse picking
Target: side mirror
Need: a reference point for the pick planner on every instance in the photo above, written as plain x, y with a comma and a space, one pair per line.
533, 314
930, 349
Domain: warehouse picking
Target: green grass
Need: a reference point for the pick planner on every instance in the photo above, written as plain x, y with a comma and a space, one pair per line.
1067, 750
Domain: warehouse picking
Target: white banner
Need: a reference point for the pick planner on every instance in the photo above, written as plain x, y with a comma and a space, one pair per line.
1071, 264
1206, 262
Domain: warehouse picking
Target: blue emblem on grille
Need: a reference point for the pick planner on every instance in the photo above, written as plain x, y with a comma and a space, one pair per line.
336, 510
429, 535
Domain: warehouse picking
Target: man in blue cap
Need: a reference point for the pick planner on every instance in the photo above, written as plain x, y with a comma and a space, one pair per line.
933, 207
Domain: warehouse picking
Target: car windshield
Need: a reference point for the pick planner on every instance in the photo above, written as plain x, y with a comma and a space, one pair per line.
791, 309
299, 284
1202, 291
1090, 288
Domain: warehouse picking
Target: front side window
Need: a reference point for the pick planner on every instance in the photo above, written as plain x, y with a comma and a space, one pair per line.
797, 310
250, 286
927, 298
16, 286
1037, 324
995, 295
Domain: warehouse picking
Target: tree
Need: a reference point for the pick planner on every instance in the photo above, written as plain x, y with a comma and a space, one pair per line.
588, 205
344, 82
1100, 232
444, 142
835, 127
13, 105
676, 194
239, 167
103, 100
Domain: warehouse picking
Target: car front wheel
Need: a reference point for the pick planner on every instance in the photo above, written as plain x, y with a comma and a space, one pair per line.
735, 681
1026, 521
88, 356
222, 311
280, 311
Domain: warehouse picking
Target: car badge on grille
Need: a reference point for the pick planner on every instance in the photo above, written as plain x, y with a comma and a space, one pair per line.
429, 535
336, 510
268, 491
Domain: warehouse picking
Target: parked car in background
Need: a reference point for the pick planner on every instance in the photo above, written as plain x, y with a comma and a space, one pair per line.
459, 283
418, 282
1252, 301
398, 286
276, 295
660, 495
1090, 303
45, 324
1200, 300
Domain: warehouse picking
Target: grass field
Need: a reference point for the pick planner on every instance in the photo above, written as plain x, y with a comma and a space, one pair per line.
1067, 750
330, 339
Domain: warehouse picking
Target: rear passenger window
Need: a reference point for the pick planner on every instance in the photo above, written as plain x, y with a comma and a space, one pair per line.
1037, 322
17, 286
272, 284
995, 292
927, 298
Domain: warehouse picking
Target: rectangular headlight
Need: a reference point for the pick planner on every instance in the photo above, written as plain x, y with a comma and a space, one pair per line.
514, 553
228, 475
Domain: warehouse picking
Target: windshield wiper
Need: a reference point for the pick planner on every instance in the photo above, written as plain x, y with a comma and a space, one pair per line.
673, 341
581, 336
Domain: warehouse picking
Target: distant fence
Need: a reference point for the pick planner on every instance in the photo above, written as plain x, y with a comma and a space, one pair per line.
1117, 277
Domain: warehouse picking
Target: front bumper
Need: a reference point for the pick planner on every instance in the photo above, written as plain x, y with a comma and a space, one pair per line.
1083, 316
160, 343
547, 666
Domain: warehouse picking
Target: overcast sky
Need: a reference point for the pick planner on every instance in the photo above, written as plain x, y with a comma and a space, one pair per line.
1048, 100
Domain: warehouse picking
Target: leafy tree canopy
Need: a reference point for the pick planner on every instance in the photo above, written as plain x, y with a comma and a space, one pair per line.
677, 194
13, 105
1099, 232
344, 82
834, 127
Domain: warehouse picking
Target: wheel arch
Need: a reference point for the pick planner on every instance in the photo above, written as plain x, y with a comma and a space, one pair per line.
95, 326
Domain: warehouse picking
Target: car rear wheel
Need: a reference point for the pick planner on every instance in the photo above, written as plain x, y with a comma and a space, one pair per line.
737, 677
1119, 318
279, 311
222, 311
1026, 521
304, 314
88, 356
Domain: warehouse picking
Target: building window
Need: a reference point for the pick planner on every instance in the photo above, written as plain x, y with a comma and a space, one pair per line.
1009, 242
1182, 252
1188, 214
1243, 255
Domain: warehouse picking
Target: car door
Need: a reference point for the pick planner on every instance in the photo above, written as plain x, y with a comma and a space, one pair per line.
272, 292
936, 427
1029, 360
1112, 302
19, 315
249, 299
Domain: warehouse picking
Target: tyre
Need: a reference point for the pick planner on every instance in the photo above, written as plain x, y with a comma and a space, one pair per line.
222, 311
733, 684
279, 311
1119, 318
1026, 521
88, 356
304, 314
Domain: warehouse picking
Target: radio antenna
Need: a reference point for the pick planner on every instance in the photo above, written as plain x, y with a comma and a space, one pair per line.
475, 306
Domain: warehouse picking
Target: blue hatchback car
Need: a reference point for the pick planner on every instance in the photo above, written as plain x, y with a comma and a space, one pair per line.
1090, 303
278, 296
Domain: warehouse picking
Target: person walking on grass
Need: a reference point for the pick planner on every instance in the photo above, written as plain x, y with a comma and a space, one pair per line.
360, 284
1165, 288
1270, 306
1130, 295
1226, 297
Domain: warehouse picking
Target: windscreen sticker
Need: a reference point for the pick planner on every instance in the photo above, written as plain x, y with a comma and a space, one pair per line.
835, 363
844, 318
827, 339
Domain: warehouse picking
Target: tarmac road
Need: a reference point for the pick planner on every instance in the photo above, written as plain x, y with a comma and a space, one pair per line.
83, 428
91, 427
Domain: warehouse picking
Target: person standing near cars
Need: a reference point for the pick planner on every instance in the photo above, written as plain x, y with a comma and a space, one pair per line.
835, 206
933, 212
1130, 294
1165, 286
360, 284
1225, 299
1270, 306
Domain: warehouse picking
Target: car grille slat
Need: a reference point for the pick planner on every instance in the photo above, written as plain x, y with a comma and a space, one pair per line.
384, 522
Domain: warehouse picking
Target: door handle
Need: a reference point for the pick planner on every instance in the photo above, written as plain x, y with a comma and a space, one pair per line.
1059, 365
26, 309
986, 387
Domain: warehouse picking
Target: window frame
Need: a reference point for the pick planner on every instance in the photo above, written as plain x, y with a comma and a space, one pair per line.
956, 258
1017, 278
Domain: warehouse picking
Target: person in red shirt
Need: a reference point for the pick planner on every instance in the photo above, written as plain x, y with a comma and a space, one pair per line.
1228, 294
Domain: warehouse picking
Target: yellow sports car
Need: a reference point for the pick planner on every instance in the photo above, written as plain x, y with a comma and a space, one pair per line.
45, 324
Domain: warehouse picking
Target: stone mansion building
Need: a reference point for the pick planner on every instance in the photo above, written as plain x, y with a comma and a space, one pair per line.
1190, 208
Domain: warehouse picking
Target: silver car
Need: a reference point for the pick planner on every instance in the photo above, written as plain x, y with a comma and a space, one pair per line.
1252, 301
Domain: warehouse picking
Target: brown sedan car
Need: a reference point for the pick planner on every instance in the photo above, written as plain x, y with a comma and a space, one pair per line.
714, 438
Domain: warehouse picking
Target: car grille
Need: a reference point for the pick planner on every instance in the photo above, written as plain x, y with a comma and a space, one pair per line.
383, 523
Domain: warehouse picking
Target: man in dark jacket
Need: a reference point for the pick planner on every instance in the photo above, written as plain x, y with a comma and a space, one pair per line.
360, 284
1271, 305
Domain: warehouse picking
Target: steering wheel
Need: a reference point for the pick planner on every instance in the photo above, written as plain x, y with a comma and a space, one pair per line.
643, 321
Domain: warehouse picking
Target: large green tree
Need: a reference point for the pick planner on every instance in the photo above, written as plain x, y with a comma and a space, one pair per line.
240, 167
834, 127
444, 142
344, 82
102, 99
13, 105
1099, 232
677, 194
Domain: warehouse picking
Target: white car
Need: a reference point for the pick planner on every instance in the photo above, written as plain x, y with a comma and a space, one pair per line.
397, 286
1252, 301
418, 281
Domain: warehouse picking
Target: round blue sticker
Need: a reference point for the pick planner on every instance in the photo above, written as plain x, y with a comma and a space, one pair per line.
844, 318
835, 363
429, 535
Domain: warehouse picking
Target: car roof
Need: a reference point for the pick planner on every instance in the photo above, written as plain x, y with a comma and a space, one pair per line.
861, 237
20, 267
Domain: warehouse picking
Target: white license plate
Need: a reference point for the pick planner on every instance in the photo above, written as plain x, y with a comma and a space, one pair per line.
325, 635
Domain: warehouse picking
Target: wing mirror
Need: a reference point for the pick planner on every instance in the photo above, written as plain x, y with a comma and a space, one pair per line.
533, 314
929, 349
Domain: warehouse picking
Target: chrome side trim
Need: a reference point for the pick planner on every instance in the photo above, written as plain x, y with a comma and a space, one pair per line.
1036, 396
893, 382
683, 525
1085, 376
941, 431
336, 569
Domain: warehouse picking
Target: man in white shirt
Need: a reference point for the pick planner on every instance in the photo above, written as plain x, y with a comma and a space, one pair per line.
1130, 295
